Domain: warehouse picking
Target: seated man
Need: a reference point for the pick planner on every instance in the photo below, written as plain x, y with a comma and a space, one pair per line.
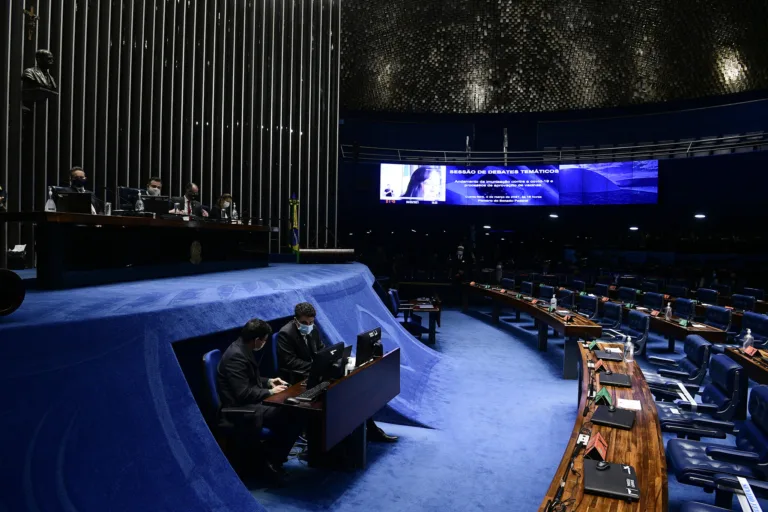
241, 385
78, 182
189, 203
298, 342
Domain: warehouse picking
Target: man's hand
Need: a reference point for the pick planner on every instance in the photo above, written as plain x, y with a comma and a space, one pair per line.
277, 389
205, 213
277, 381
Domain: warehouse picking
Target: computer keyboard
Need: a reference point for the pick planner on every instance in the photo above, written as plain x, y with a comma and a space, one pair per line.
311, 394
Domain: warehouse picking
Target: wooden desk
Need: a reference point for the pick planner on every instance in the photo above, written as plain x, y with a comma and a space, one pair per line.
417, 306
578, 327
674, 331
341, 412
641, 447
83, 250
756, 368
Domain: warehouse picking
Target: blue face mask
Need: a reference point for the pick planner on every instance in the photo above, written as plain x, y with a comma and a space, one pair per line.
305, 329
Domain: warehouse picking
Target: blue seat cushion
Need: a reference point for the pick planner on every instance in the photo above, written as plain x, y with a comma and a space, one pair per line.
689, 459
693, 506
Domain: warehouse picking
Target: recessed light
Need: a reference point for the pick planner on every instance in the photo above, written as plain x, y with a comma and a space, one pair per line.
634, 228
487, 234
700, 216
503, 239
487, 227
553, 216
413, 230
351, 234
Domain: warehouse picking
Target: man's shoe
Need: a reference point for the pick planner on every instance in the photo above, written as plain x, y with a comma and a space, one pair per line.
376, 435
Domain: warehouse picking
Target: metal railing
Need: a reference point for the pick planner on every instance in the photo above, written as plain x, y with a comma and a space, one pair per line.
684, 148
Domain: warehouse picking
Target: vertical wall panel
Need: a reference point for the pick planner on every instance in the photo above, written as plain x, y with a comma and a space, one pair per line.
238, 96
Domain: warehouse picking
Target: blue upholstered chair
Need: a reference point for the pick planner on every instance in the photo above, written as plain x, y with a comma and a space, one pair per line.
689, 370
507, 283
578, 286
526, 288
588, 306
649, 286
611, 318
546, 292
743, 302
719, 401
408, 314
677, 291
718, 317
697, 463
549, 279
627, 295
684, 308
638, 325
755, 322
707, 296
653, 300
722, 289
601, 290
757, 293
565, 299
412, 324
725, 487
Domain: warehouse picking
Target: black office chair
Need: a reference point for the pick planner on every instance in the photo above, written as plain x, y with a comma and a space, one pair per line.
757, 293
757, 324
653, 300
677, 291
588, 306
546, 292
650, 286
627, 295
611, 318
601, 290
507, 283
707, 296
526, 288
689, 370
684, 308
579, 286
741, 302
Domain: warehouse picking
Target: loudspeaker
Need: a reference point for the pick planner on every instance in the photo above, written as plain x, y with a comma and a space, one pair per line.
12, 292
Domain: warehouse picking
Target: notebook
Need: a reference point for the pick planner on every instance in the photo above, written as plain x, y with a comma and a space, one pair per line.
619, 418
616, 481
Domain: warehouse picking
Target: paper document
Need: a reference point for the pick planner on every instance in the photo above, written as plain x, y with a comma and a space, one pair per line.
632, 405
425, 306
18, 248
613, 350
699, 326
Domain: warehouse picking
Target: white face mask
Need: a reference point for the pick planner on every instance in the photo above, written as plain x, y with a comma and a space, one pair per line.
226, 204
153, 191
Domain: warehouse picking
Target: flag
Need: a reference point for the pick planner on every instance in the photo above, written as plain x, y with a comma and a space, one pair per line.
295, 226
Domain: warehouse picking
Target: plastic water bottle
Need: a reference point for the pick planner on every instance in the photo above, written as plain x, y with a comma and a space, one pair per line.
629, 350
749, 341
668, 312
50, 204
234, 211
139, 205
553, 303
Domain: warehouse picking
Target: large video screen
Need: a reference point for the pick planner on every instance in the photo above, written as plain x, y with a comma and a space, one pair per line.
537, 185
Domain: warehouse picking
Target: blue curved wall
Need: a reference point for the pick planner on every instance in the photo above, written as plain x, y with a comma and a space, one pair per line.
96, 413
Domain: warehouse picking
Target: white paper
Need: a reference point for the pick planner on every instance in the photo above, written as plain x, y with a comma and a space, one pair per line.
698, 326
613, 350
674, 410
641, 309
425, 306
18, 248
632, 405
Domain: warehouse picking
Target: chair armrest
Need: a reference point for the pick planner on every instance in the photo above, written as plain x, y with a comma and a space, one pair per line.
693, 431
662, 360
673, 374
238, 411
725, 454
705, 408
724, 482
725, 426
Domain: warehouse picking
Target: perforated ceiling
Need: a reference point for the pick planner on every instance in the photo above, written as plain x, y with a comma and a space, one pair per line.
539, 55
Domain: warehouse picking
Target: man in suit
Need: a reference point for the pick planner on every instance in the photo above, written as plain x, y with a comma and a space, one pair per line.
297, 343
189, 203
240, 385
78, 182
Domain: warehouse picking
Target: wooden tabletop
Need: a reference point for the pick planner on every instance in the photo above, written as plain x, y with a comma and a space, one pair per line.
121, 221
673, 328
414, 304
756, 368
642, 447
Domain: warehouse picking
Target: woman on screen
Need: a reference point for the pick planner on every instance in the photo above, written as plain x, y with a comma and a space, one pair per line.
425, 184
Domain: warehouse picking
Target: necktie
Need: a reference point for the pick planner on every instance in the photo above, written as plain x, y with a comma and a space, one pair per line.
189, 207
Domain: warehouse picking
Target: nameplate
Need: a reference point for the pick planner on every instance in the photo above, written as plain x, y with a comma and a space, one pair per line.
666, 296
654, 313
567, 318
683, 322
751, 351
729, 307
612, 288
599, 366
592, 345
502, 291
535, 301
603, 397
604, 299
629, 305
597, 448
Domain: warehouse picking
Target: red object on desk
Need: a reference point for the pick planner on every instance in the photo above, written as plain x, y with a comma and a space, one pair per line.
604, 299
502, 291
596, 447
534, 301
654, 313
599, 365
729, 307
751, 351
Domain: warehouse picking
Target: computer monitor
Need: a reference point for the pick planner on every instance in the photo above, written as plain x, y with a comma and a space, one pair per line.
127, 198
365, 346
159, 205
326, 364
73, 202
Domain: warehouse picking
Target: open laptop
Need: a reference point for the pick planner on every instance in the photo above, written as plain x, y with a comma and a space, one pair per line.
621, 380
73, 202
619, 418
609, 356
159, 205
616, 481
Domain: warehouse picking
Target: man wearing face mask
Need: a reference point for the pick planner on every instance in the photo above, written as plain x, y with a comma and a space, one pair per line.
154, 187
78, 182
240, 385
189, 204
462, 266
297, 343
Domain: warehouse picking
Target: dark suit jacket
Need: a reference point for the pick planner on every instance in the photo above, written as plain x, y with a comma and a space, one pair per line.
197, 206
293, 352
216, 213
238, 377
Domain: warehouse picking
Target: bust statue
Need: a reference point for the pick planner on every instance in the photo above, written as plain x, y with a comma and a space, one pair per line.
38, 82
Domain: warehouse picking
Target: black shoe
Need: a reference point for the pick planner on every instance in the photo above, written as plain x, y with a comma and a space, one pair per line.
376, 435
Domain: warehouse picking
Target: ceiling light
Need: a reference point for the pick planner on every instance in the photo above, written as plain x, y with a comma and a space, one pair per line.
634, 228
487, 227
503, 239
700, 216
413, 230
553, 216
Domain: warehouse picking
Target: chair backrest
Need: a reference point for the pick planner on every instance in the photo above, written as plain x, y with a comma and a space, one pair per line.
526, 288
628, 295
683, 308
546, 292
707, 296
718, 317
612, 311
743, 302
723, 289
579, 286
588, 305
268, 365
752, 433
507, 283
677, 291
653, 300
757, 293
396, 293
629, 281
637, 324
757, 323
565, 298
601, 289
394, 304
727, 388
696, 359
210, 371
550, 280
649, 286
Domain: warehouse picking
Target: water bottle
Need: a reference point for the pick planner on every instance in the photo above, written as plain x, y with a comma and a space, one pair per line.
139, 205
553, 303
50, 205
629, 350
668, 312
749, 341
234, 211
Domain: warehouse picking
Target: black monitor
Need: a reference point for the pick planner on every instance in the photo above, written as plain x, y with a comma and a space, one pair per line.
127, 198
159, 205
366, 342
73, 202
326, 364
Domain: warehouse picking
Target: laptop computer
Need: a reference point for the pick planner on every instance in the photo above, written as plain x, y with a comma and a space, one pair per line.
608, 356
621, 380
73, 202
616, 481
619, 418
159, 205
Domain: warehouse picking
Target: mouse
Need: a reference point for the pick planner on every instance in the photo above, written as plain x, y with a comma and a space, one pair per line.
291, 401
608, 372
611, 408
602, 465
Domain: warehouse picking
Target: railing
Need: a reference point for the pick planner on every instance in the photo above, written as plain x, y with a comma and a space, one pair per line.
685, 148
